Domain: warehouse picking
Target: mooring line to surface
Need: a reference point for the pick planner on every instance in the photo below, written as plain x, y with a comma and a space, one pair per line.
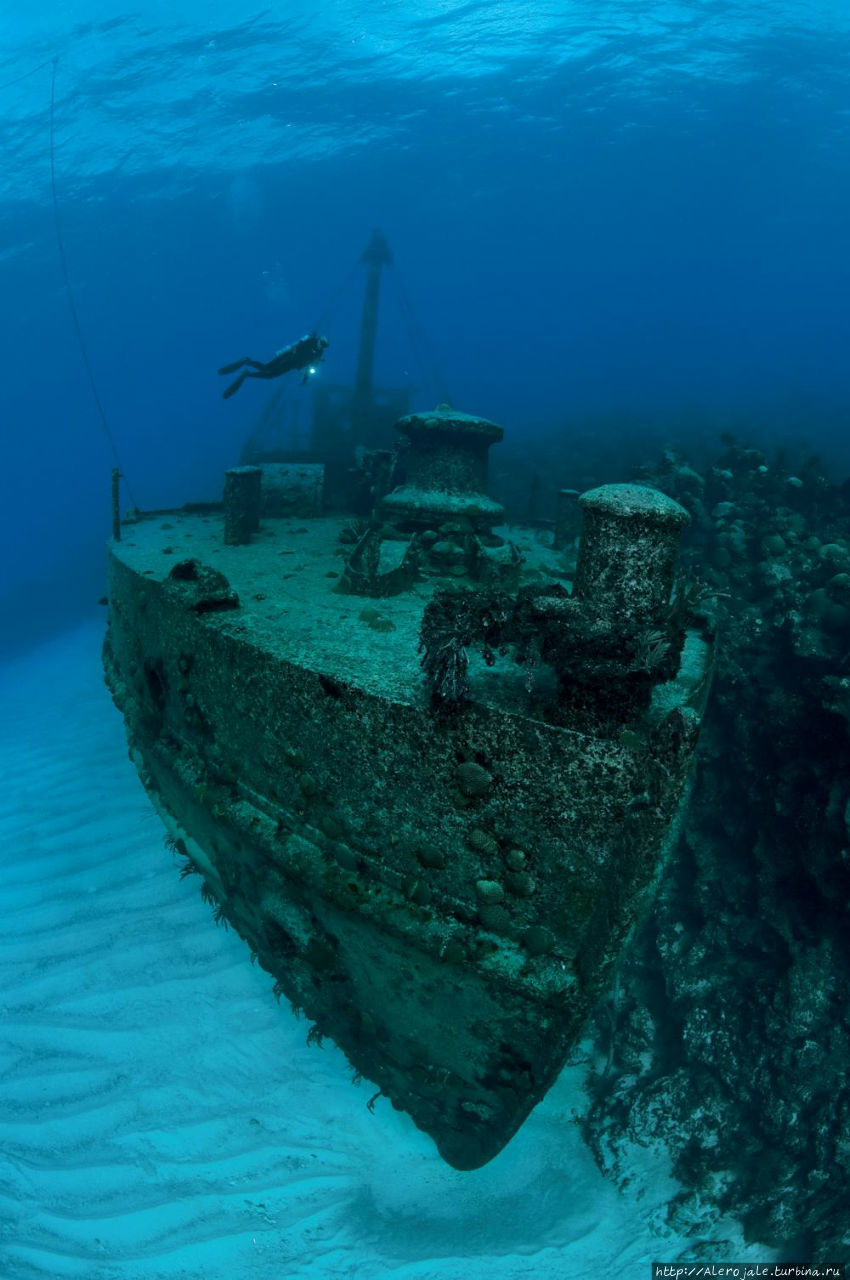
104, 421
26, 75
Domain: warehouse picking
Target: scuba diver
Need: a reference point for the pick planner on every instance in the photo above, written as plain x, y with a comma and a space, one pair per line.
298, 355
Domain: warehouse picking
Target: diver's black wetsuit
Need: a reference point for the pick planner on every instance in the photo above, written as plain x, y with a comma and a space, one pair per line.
299, 355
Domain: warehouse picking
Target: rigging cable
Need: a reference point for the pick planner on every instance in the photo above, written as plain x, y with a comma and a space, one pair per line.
424, 352
70, 293
329, 314
9, 83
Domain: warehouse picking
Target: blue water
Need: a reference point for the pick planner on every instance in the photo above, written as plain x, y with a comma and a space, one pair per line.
631, 211
621, 222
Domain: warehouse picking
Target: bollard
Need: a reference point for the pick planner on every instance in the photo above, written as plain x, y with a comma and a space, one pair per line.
241, 504
446, 466
629, 551
567, 519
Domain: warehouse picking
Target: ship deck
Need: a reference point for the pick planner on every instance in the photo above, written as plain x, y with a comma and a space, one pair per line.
285, 580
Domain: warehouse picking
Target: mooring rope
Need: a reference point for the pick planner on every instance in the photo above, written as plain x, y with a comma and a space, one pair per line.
26, 75
70, 292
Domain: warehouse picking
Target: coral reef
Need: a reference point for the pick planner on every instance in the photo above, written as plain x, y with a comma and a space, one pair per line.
728, 1035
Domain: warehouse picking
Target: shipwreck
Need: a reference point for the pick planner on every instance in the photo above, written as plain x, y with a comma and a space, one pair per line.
427, 765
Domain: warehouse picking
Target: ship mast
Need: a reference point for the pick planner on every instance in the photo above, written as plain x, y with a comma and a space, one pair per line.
376, 256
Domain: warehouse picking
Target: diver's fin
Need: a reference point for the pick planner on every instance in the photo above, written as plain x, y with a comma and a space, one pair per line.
234, 386
237, 364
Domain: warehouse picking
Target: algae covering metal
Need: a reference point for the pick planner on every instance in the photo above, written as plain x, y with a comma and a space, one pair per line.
443, 891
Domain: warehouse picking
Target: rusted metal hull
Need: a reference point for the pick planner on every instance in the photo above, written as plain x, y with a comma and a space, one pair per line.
444, 897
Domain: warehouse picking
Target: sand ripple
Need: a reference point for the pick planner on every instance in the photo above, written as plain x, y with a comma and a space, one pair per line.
161, 1118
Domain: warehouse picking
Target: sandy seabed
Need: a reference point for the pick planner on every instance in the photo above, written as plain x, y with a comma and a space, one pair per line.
162, 1117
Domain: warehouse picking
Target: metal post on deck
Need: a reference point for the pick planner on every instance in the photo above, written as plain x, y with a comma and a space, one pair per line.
567, 519
629, 552
376, 256
242, 497
116, 513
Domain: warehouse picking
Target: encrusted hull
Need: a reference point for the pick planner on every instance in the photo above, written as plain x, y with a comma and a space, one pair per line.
443, 896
